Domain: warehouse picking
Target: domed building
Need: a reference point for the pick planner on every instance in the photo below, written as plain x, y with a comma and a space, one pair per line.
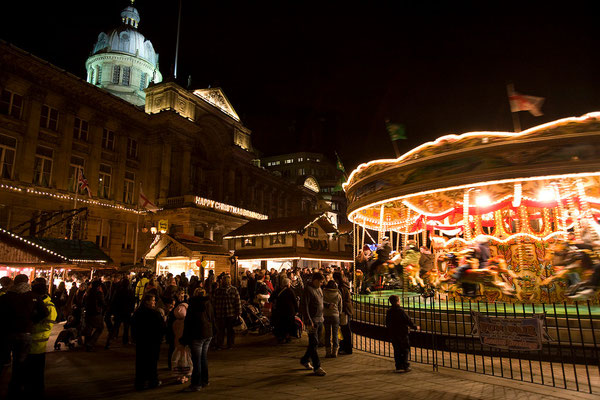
123, 61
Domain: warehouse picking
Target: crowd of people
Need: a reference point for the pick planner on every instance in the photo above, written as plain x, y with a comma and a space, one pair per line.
190, 316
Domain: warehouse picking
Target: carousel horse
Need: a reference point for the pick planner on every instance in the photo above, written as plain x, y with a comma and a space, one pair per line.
491, 276
572, 262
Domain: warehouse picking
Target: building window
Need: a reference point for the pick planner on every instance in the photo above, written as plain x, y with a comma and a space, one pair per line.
289, 161
104, 179
11, 104
116, 74
132, 148
42, 166
143, 81
80, 129
300, 159
278, 239
335, 206
276, 162
128, 237
301, 171
126, 75
8, 146
91, 76
49, 118
108, 139
98, 75
103, 234
248, 242
128, 187
74, 168
313, 232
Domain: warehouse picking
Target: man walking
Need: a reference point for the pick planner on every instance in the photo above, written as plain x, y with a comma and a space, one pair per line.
228, 309
312, 313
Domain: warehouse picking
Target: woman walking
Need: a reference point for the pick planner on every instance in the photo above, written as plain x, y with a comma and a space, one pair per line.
198, 330
332, 308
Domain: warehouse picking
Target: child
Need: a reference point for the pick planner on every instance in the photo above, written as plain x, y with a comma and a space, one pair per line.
398, 324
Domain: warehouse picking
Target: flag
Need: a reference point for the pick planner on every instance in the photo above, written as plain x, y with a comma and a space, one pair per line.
396, 131
339, 164
83, 183
521, 102
145, 203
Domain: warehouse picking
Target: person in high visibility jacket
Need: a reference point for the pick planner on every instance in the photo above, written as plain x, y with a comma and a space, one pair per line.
140, 288
36, 360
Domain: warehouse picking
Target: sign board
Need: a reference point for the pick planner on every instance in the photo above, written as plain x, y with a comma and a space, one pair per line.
510, 333
163, 225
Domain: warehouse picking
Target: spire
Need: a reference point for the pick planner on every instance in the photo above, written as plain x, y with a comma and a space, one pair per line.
130, 15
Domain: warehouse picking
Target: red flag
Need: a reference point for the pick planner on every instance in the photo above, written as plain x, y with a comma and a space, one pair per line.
521, 102
145, 203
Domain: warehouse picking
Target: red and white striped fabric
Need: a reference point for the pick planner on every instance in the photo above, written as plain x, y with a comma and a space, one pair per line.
145, 203
521, 102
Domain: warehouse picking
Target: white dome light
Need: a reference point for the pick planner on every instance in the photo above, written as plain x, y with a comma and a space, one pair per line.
546, 195
483, 200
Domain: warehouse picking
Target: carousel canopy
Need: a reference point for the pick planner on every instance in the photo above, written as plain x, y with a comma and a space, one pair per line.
535, 182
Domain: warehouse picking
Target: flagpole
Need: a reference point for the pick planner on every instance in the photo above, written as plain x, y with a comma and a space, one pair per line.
76, 183
510, 88
137, 228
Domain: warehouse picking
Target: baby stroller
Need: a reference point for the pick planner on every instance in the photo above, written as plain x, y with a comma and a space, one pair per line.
70, 333
255, 320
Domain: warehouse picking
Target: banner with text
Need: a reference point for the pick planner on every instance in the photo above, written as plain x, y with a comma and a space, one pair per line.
510, 333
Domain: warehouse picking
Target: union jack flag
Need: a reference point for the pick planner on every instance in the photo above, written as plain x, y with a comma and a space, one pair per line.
83, 183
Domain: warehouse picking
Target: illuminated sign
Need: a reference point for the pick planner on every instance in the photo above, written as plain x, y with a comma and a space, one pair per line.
201, 201
311, 184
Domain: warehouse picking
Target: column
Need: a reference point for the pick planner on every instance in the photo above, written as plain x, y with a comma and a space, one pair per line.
165, 171
185, 171
23, 170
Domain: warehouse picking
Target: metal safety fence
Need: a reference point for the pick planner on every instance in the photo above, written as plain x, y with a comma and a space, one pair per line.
568, 355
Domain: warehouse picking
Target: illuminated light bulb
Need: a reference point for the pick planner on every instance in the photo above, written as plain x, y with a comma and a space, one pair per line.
483, 200
546, 195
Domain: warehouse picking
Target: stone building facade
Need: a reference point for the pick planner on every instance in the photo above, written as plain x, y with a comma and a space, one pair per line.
188, 150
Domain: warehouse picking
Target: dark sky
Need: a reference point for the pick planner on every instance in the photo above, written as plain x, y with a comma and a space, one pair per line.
324, 76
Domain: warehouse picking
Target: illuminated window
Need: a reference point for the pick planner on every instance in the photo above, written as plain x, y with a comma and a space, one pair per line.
128, 187
80, 129
289, 161
313, 232
300, 159
91, 76
132, 148
116, 74
49, 118
76, 165
11, 104
42, 166
276, 162
301, 171
8, 146
104, 178
126, 76
248, 242
108, 139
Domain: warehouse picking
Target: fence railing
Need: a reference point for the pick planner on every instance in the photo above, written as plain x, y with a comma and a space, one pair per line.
569, 357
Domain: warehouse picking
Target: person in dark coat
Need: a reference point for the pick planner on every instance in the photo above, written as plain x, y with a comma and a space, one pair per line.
20, 309
347, 311
284, 312
148, 329
94, 312
121, 307
398, 323
198, 330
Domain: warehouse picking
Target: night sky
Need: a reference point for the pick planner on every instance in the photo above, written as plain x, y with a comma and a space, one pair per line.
324, 76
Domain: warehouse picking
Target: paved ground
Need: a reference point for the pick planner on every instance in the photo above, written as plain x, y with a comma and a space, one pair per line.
258, 368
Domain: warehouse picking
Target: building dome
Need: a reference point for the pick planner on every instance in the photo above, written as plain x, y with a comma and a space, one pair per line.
123, 61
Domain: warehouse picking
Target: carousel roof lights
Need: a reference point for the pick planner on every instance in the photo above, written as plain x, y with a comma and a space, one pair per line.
482, 134
483, 200
351, 216
546, 195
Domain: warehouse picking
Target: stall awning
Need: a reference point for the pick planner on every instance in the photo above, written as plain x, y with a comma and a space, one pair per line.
291, 253
279, 226
184, 245
17, 249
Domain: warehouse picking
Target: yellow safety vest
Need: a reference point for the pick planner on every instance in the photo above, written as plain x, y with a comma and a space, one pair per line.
141, 285
41, 331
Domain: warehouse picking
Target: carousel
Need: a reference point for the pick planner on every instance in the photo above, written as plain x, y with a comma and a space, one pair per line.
507, 216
